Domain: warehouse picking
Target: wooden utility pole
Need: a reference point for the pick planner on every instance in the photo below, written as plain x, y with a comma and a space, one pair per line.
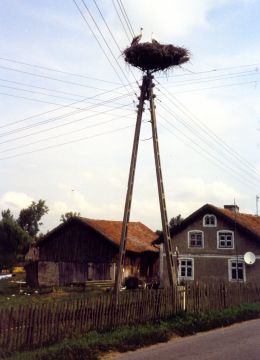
146, 94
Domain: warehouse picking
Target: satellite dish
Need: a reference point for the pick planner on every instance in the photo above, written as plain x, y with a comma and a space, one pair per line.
249, 258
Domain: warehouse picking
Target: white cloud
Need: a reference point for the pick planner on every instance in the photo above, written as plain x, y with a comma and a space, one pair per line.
15, 201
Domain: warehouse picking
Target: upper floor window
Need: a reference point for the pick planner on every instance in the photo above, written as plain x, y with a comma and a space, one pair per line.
225, 239
236, 270
209, 220
195, 239
186, 269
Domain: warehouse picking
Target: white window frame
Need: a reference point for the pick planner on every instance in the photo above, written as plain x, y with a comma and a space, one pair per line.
218, 239
180, 277
235, 260
202, 239
209, 225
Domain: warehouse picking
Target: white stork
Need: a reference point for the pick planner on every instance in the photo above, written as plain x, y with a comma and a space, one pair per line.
154, 41
137, 38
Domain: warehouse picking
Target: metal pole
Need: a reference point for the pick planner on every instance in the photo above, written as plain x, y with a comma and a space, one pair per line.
171, 264
128, 201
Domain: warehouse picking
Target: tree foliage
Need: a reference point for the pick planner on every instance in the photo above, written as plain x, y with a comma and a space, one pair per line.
29, 218
16, 235
175, 221
68, 215
14, 242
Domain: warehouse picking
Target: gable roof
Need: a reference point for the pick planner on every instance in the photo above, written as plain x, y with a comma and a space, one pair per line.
244, 222
139, 238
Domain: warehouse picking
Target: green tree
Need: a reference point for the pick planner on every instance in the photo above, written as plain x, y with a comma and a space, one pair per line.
175, 221
68, 215
14, 242
29, 218
6, 214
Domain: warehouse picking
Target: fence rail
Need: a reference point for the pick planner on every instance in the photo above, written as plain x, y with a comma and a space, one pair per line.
28, 327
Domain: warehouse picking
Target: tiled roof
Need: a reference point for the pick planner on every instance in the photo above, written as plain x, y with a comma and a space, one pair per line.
139, 238
248, 221
245, 222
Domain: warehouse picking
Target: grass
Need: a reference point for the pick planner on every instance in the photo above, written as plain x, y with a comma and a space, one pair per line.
10, 294
93, 345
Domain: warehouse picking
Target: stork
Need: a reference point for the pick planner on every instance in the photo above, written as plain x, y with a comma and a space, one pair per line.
137, 38
154, 41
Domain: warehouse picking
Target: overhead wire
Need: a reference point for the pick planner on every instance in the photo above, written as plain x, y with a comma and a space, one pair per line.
123, 26
112, 36
67, 142
67, 133
59, 71
59, 108
205, 129
55, 127
126, 17
43, 122
212, 149
196, 147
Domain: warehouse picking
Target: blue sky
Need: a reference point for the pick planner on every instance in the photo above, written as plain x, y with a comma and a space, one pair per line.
219, 87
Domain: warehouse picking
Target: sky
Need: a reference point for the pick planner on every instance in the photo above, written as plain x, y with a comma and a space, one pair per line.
68, 107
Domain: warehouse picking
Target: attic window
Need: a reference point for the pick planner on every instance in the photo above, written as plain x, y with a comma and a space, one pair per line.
209, 220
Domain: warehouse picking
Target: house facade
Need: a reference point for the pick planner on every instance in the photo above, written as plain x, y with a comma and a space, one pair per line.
84, 249
210, 245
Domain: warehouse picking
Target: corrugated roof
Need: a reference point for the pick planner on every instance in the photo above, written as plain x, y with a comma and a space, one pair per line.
139, 238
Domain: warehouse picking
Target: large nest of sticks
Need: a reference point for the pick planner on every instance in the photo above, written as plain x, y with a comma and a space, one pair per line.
155, 56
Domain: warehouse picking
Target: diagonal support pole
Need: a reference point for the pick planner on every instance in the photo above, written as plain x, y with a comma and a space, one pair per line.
128, 201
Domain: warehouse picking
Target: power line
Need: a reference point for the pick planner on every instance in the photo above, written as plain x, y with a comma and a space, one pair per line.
211, 147
59, 108
50, 95
108, 46
125, 16
204, 128
119, 17
228, 168
43, 122
204, 153
68, 142
51, 78
67, 133
59, 71
54, 127
111, 34
191, 73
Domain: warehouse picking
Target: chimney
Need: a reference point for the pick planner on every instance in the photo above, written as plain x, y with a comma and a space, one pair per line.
233, 208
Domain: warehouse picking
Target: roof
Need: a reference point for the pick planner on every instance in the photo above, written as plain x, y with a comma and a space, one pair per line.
247, 223
139, 238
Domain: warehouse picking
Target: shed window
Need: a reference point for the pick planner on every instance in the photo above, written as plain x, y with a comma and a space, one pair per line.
225, 239
209, 220
195, 239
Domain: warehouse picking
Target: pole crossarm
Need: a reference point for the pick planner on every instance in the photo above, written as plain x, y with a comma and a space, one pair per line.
145, 94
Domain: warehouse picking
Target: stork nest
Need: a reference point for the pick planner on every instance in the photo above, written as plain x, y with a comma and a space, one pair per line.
155, 56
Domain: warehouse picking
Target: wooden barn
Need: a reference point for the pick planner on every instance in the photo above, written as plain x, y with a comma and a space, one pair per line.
84, 249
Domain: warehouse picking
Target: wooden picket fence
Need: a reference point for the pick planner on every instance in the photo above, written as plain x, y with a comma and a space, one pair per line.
28, 327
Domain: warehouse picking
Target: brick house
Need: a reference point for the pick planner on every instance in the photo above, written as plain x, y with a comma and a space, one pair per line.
84, 249
211, 244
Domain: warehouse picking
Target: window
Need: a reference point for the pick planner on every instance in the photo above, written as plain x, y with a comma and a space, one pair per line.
209, 220
236, 270
186, 269
195, 239
225, 239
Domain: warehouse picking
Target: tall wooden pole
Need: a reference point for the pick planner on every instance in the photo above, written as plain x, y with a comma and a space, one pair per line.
128, 201
146, 94
171, 264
